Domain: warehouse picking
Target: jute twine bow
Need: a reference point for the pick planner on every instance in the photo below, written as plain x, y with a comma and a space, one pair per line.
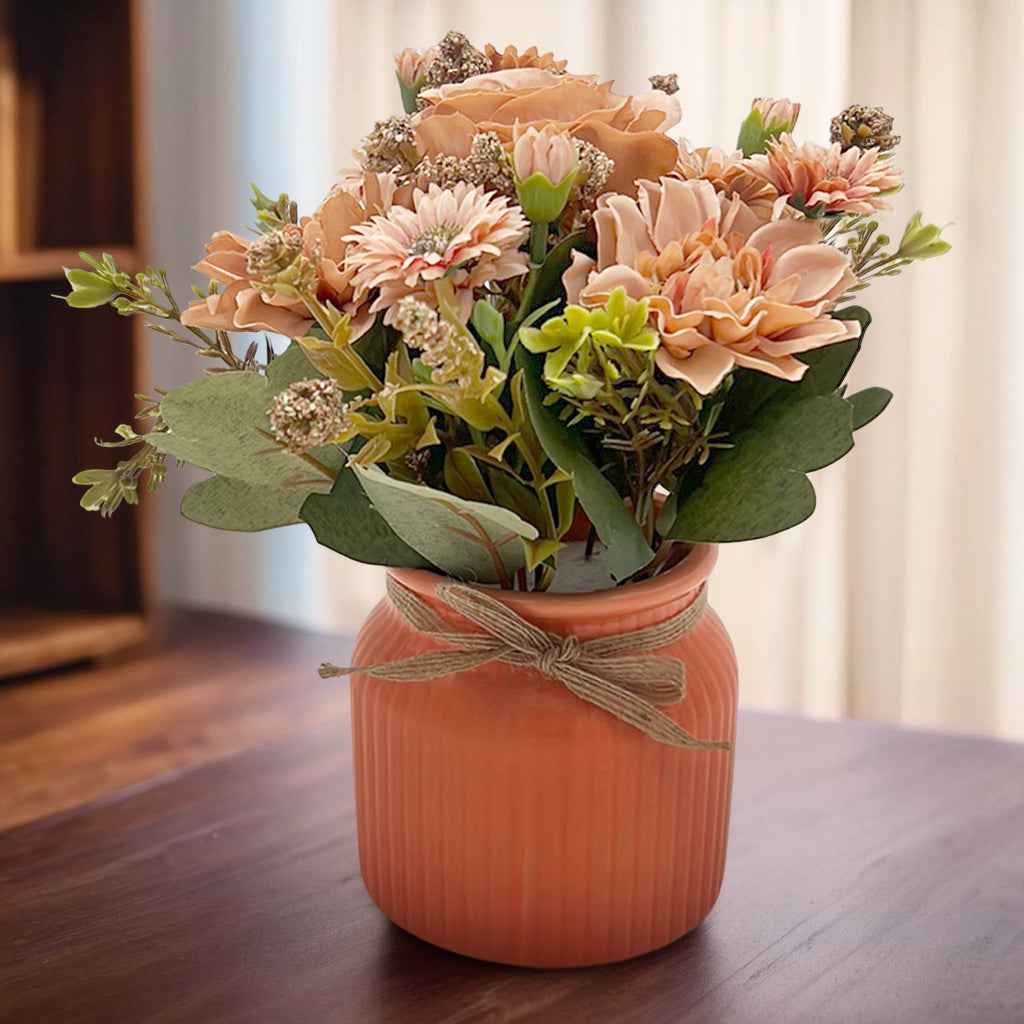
610, 672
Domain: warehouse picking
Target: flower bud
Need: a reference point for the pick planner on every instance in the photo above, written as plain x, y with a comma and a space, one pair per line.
767, 120
921, 241
544, 165
411, 70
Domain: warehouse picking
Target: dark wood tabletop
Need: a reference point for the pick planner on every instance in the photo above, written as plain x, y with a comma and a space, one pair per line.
177, 843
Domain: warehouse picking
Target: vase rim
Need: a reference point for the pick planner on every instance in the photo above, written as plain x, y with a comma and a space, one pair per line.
681, 579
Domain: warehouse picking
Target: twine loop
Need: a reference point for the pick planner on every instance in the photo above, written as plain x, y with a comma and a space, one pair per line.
615, 673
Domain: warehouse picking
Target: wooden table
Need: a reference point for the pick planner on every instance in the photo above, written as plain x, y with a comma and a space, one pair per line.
177, 843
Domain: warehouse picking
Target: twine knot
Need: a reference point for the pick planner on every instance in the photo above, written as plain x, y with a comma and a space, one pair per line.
563, 652
616, 673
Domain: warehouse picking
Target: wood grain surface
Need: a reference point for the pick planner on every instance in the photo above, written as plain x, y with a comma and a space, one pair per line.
180, 846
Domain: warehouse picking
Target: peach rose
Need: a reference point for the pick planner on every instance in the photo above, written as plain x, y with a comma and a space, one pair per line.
630, 129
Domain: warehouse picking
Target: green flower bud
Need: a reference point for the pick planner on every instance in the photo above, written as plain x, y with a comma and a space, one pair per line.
542, 201
921, 241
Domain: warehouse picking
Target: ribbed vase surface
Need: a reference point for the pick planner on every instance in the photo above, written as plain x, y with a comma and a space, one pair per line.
502, 817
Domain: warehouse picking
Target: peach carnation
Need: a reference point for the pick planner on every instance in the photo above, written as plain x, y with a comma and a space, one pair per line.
510, 57
724, 288
311, 252
464, 233
629, 129
841, 182
728, 172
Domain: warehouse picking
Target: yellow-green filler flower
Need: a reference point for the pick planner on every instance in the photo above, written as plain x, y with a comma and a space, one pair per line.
589, 349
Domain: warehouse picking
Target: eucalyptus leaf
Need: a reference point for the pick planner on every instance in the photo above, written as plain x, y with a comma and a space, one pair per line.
758, 487
464, 539
227, 504
346, 522
220, 424
868, 404
625, 546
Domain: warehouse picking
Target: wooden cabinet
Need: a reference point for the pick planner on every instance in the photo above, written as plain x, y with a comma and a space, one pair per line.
72, 585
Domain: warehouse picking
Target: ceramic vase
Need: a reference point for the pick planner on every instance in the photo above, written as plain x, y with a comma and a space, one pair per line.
501, 817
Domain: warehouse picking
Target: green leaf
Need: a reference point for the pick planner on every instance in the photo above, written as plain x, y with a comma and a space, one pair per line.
489, 325
626, 551
868, 404
464, 539
228, 504
549, 280
758, 487
346, 522
220, 424
88, 290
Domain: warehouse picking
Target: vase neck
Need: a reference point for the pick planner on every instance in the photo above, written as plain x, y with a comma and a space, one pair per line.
601, 613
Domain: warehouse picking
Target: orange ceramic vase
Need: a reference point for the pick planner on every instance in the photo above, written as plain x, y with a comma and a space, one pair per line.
501, 817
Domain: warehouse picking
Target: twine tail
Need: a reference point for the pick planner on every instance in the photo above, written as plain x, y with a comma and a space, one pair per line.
419, 668
633, 710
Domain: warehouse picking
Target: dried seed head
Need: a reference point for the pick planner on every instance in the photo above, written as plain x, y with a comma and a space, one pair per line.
452, 354
456, 61
865, 128
391, 146
276, 253
596, 167
308, 414
667, 84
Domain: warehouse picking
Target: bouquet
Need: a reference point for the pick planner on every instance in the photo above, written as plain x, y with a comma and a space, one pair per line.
529, 314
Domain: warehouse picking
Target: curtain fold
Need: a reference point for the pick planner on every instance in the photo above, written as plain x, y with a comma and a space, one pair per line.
901, 599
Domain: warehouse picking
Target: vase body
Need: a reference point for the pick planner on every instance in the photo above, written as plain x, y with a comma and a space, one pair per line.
501, 817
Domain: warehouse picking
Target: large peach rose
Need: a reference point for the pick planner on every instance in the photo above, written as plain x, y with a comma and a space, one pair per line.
723, 287
630, 129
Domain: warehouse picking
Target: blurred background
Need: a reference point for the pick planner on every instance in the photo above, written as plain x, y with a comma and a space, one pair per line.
902, 598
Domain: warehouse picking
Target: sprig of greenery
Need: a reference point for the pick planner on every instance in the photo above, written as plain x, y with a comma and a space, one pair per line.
857, 236
106, 285
108, 488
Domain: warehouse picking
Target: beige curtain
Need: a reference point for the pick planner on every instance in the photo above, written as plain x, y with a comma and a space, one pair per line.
901, 599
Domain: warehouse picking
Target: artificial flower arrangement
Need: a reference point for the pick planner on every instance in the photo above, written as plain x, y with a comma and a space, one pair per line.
529, 306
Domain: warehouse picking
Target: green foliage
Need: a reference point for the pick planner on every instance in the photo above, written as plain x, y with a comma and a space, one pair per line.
465, 539
220, 424
227, 504
626, 550
921, 241
88, 289
345, 521
272, 215
758, 487
780, 430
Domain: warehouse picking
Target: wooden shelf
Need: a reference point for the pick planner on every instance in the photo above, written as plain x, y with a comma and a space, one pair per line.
73, 586
38, 638
45, 264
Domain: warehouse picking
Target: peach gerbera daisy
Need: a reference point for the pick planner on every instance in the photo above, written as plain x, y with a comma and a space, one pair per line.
723, 287
841, 182
469, 235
